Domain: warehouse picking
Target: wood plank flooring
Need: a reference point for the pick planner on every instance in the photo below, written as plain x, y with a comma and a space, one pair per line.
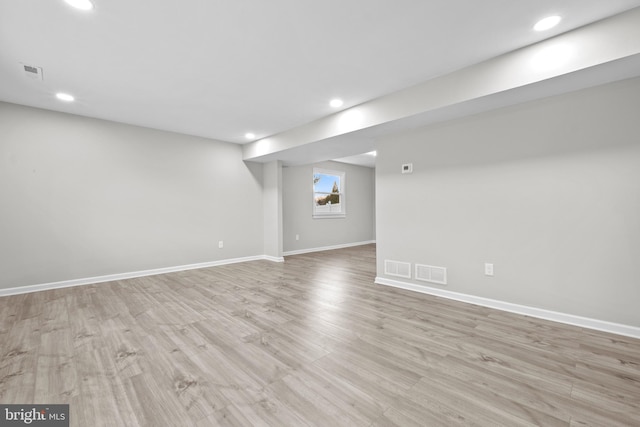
311, 341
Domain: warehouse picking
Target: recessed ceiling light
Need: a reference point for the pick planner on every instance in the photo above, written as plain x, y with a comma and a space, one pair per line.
335, 103
372, 153
547, 23
250, 135
64, 97
80, 4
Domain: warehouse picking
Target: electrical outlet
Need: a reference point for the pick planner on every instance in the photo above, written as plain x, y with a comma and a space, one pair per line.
488, 269
220, 244
297, 237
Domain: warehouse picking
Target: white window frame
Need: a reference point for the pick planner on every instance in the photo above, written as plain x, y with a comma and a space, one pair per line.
322, 212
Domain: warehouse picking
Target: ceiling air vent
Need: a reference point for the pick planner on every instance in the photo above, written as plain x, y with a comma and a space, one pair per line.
32, 71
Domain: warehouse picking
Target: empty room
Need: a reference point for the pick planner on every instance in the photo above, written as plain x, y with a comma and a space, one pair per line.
330, 213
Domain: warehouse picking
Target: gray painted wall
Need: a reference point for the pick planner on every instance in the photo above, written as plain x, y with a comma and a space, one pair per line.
359, 224
83, 197
548, 191
272, 208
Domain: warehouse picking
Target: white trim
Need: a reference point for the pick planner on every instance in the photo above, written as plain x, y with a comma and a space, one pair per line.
327, 248
570, 319
121, 276
329, 216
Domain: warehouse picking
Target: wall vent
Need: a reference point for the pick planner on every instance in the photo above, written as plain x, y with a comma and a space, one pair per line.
430, 273
397, 268
32, 71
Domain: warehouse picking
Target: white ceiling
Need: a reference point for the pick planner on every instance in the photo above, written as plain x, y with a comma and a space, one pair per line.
219, 69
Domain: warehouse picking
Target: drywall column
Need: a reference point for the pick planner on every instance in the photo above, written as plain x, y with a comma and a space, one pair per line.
272, 210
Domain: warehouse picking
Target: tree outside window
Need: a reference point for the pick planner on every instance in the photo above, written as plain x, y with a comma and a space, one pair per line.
328, 194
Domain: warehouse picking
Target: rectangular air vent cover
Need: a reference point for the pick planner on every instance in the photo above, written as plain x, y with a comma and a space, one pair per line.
32, 71
430, 273
397, 268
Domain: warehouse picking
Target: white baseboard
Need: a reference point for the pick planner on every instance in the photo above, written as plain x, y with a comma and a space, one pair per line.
328, 248
570, 319
131, 275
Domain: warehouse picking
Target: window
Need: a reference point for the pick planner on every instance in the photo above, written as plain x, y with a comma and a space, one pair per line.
328, 194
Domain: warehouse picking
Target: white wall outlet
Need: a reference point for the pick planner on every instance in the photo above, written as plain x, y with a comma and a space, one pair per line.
220, 244
297, 237
407, 168
488, 269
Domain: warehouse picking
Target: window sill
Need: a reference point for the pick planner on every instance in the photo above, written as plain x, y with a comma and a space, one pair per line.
329, 216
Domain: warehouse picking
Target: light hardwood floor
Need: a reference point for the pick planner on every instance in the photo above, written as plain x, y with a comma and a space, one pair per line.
311, 341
